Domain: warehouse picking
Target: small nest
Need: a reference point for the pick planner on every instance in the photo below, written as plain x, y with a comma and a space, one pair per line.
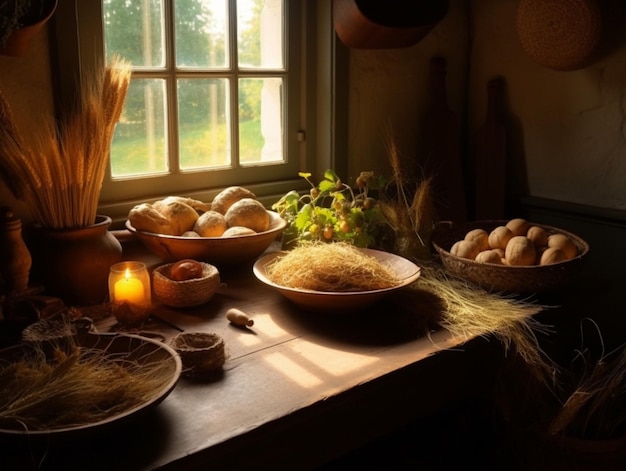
188, 293
201, 353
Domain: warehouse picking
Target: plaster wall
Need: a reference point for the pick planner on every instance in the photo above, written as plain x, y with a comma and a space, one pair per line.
567, 128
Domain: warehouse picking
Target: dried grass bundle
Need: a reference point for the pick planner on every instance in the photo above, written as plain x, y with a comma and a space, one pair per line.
468, 312
334, 267
79, 387
408, 208
58, 170
594, 404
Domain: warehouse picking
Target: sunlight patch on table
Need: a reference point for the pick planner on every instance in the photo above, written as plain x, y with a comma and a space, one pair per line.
328, 360
291, 369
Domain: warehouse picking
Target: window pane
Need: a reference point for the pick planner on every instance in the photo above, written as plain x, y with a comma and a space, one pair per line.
260, 120
134, 30
139, 146
201, 33
260, 34
203, 122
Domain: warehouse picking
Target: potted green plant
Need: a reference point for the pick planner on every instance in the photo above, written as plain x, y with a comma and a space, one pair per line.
20, 20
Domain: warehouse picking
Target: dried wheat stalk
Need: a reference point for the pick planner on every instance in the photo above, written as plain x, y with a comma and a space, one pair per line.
58, 170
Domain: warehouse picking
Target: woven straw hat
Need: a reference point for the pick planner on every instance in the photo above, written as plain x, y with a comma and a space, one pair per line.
559, 34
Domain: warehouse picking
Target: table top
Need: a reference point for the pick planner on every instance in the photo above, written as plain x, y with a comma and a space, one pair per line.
290, 385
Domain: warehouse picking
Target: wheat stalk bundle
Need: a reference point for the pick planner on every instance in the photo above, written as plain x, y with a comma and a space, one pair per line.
58, 170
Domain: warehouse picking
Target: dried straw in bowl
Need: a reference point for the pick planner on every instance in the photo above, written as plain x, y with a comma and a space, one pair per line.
559, 34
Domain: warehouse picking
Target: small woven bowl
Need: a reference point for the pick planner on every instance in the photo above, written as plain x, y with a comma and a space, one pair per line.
506, 278
187, 293
202, 353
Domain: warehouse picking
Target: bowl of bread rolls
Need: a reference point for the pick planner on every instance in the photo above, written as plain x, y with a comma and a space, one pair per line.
232, 229
510, 256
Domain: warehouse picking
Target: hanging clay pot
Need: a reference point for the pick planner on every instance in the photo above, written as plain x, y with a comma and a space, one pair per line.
73, 264
21, 38
372, 24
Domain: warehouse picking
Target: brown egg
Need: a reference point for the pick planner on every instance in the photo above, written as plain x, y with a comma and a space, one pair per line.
186, 269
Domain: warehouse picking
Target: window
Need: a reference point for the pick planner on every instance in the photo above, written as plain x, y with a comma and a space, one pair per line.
224, 92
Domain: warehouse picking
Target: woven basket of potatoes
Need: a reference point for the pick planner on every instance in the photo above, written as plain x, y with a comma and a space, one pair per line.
231, 229
510, 256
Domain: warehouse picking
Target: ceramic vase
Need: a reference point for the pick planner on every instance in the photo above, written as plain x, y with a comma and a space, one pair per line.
74, 264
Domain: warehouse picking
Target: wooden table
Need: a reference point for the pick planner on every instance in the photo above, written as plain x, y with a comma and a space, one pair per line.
298, 388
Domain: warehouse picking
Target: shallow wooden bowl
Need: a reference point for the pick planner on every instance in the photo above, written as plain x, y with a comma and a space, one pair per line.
336, 302
506, 278
119, 348
219, 251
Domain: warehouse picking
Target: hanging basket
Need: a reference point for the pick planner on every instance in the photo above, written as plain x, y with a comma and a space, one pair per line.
560, 34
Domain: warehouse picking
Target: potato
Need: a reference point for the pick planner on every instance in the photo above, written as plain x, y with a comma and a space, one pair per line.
552, 255
465, 249
563, 242
518, 226
227, 197
489, 256
520, 251
499, 237
248, 212
480, 236
211, 224
538, 235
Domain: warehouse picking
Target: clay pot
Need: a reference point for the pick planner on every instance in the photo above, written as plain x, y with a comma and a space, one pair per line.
73, 264
20, 39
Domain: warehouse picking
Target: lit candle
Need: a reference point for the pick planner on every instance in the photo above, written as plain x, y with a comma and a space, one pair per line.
129, 289
130, 292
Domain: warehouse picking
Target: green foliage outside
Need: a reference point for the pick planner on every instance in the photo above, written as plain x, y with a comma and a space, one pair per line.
130, 156
200, 45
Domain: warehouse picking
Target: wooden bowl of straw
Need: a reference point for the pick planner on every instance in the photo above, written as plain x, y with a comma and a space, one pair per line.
506, 278
336, 277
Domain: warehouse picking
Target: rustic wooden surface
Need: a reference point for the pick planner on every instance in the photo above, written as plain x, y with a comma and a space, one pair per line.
298, 386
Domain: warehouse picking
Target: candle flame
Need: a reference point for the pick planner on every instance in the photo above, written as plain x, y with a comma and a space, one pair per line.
127, 274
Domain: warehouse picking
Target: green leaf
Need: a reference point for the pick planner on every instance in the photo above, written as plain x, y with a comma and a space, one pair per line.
330, 174
326, 185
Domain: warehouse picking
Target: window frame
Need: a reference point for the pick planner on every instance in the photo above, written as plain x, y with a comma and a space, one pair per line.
320, 127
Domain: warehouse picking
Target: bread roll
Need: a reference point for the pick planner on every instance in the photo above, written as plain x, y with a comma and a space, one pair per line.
144, 217
248, 212
181, 216
227, 197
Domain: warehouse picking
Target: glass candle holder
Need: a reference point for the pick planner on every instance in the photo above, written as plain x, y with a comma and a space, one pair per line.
130, 292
